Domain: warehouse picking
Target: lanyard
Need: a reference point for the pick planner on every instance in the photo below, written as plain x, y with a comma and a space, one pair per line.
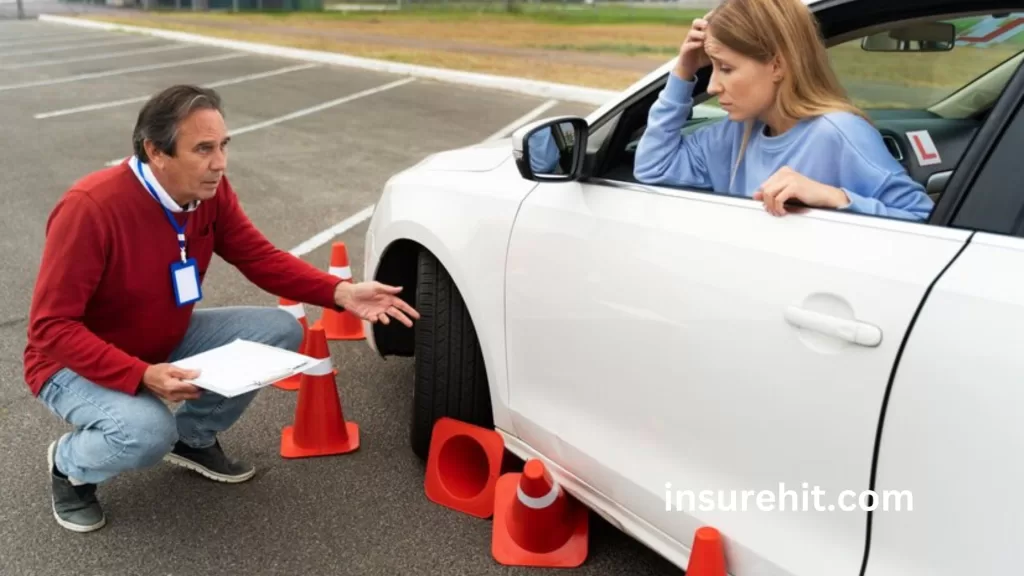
170, 217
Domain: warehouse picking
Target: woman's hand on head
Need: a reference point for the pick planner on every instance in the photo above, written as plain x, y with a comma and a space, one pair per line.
787, 184
691, 54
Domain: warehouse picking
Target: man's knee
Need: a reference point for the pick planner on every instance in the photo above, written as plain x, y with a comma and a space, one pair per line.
284, 330
146, 436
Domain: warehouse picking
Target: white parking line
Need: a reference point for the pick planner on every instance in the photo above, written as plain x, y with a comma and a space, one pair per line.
51, 50
97, 57
324, 106
50, 34
329, 234
118, 71
304, 111
347, 224
529, 116
138, 99
359, 217
54, 39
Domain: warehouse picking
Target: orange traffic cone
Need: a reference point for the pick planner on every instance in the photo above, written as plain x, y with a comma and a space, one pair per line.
536, 523
299, 311
342, 325
320, 428
707, 557
463, 467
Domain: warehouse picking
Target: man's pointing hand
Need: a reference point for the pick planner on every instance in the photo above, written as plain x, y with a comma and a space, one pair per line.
375, 302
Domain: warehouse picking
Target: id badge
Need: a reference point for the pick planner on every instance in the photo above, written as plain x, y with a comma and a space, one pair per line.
185, 279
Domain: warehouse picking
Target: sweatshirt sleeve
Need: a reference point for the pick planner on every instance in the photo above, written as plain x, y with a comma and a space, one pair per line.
898, 196
665, 156
274, 270
872, 179
73, 262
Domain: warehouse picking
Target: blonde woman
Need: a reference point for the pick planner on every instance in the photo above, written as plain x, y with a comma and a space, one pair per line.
790, 132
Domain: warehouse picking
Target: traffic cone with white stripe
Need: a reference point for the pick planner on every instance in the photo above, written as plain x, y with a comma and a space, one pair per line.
342, 325
536, 523
320, 428
299, 312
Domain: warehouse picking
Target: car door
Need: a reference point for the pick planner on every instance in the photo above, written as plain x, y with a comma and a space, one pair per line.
662, 341
950, 445
666, 343
669, 344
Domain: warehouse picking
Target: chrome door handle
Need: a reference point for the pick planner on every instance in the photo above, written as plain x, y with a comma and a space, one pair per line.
860, 333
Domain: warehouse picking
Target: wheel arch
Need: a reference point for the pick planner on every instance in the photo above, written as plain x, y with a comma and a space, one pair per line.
397, 267
470, 243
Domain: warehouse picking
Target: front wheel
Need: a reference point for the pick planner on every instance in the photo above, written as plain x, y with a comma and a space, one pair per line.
451, 379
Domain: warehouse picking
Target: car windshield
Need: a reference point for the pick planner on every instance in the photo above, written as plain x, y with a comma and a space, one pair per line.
944, 82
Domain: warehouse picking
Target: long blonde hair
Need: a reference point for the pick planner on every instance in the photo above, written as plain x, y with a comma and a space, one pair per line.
784, 29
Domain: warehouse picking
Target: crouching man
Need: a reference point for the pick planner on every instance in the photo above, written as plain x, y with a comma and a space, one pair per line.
126, 251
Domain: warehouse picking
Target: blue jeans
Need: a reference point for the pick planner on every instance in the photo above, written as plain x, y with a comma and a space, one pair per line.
116, 432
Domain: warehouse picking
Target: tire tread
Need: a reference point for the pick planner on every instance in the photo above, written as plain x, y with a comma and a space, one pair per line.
451, 379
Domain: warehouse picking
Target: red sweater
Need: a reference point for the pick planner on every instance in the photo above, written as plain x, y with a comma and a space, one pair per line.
103, 303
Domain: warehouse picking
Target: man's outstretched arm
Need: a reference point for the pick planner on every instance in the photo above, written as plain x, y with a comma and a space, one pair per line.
274, 270
241, 244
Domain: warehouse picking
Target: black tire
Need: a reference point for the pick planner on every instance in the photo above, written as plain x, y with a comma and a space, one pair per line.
451, 379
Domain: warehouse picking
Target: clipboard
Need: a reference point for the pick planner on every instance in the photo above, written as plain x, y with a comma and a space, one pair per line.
243, 366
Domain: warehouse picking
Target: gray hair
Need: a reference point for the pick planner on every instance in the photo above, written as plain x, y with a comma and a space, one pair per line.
161, 117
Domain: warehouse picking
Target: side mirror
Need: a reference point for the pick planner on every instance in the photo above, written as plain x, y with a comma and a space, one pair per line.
551, 150
925, 37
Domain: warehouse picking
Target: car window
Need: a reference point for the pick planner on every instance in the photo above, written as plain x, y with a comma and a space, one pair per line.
924, 80
902, 83
993, 206
944, 82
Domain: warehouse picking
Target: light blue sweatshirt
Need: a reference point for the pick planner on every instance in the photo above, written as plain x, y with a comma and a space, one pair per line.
838, 149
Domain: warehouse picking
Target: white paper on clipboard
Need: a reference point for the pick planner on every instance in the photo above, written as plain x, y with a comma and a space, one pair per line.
243, 366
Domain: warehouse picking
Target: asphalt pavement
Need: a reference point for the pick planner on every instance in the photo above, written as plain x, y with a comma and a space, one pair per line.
33, 8
68, 101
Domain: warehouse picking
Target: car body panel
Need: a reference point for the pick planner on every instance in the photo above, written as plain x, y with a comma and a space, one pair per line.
621, 517
479, 158
462, 218
580, 263
948, 438
647, 334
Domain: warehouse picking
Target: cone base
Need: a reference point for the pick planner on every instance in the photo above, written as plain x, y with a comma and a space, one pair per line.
505, 550
466, 484
337, 328
343, 336
289, 449
290, 384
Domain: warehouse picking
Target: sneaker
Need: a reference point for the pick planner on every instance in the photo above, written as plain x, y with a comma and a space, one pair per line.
210, 462
74, 506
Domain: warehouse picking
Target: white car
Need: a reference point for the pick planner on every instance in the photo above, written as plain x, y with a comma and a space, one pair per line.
654, 344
